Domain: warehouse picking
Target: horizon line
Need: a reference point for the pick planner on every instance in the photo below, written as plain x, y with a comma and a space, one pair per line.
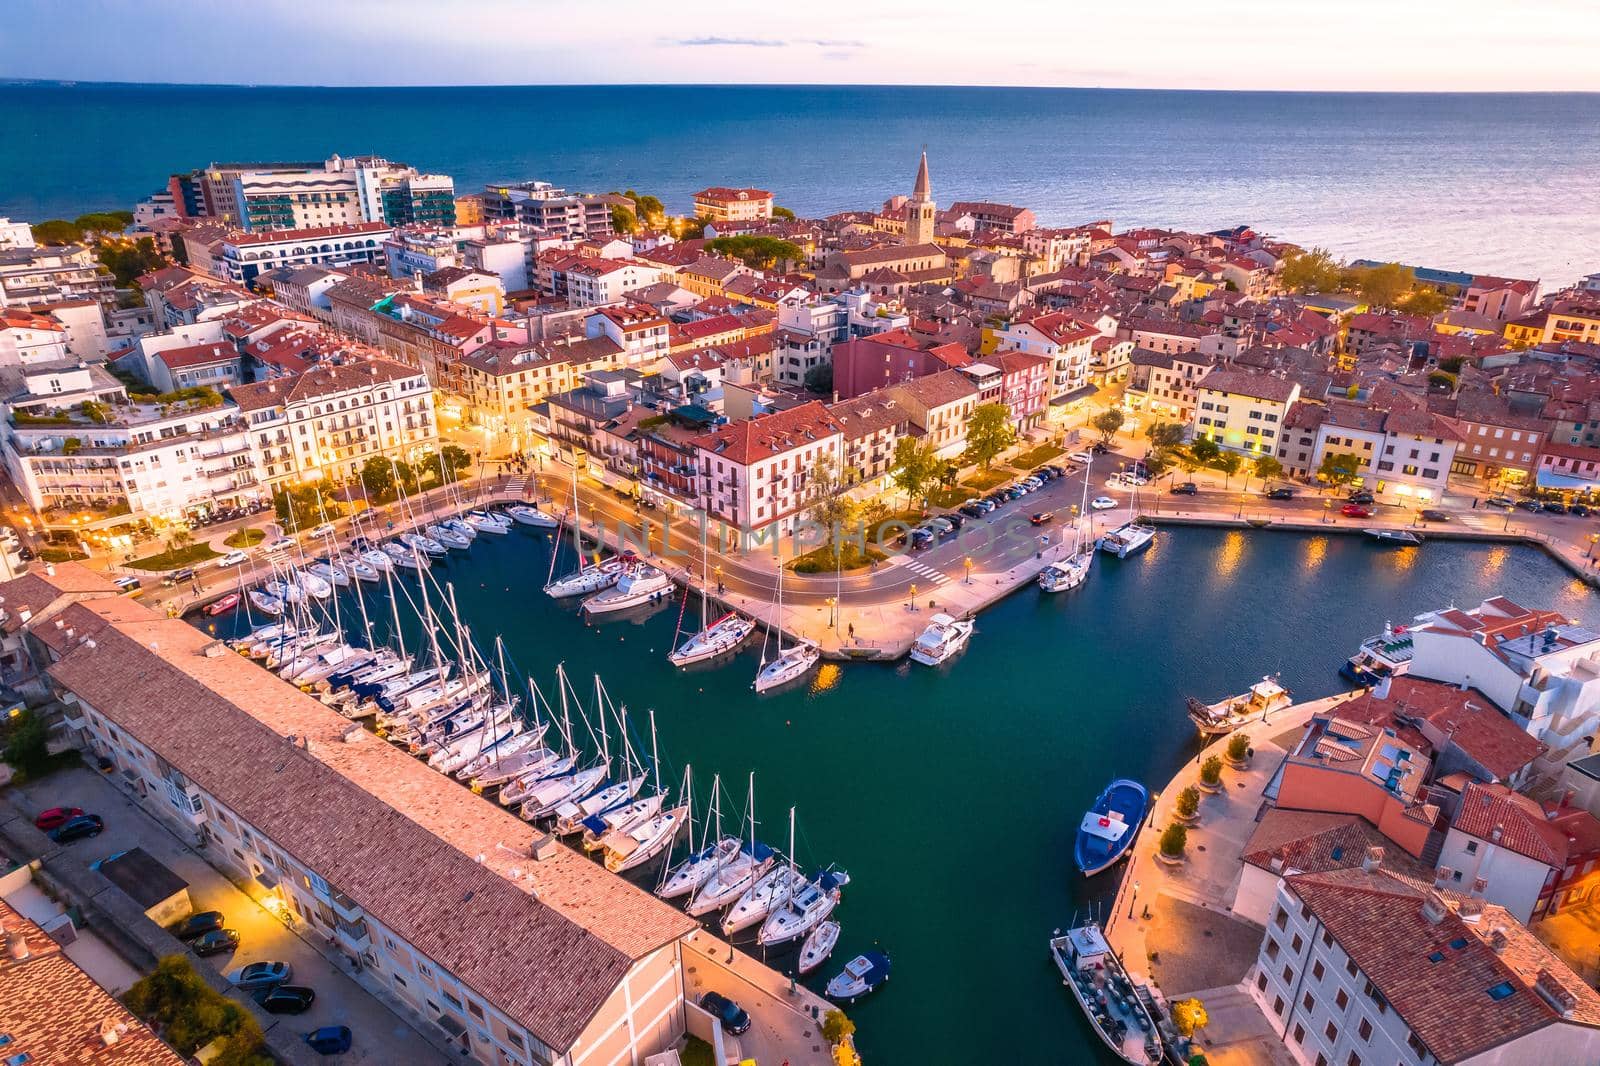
74, 83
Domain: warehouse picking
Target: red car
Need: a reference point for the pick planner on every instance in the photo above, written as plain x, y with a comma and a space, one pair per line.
1355, 510
55, 817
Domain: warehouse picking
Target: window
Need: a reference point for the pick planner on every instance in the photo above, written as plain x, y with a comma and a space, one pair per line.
1353, 1060
474, 1010
1288, 975
1317, 971
1331, 1031
1297, 943
1272, 946
1418, 1048
1277, 1005
1309, 1002
1500, 991
1261, 982
1472, 847
1350, 967
1342, 1000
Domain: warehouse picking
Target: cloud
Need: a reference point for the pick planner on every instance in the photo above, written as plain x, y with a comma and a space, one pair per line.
724, 42
835, 44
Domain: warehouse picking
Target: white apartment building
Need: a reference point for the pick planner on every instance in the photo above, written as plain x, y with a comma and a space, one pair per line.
62, 453
1402, 450
1242, 411
15, 234
246, 256
598, 282
33, 277
411, 252
1359, 967
330, 420
641, 336
722, 204
1060, 338
576, 966
756, 472
26, 338
341, 192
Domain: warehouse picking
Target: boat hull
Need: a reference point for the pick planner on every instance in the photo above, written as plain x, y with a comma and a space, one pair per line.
1127, 798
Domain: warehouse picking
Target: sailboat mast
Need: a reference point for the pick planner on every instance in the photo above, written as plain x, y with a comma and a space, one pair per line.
655, 755
705, 575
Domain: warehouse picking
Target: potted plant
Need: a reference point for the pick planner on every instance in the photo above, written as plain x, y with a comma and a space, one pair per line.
1211, 774
1187, 808
1173, 841
1239, 751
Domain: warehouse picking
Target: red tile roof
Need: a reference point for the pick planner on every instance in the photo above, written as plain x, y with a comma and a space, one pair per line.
1514, 821
751, 440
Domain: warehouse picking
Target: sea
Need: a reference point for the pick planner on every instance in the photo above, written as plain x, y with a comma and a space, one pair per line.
1502, 184
951, 795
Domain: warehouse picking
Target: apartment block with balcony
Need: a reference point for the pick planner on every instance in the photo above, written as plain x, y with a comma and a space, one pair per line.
756, 473
35, 277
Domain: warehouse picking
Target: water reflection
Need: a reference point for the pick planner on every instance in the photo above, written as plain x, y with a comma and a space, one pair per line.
827, 677
1316, 552
1231, 554
1496, 558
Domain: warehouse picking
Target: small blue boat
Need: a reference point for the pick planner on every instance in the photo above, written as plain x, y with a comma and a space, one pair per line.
1108, 830
860, 975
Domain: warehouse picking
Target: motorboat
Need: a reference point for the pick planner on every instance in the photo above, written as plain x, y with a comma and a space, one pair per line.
331, 573
266, 603
728, 881
944, 637
860, 975
819, 944
1393, 536
598, 827
427, 545
525, 515
1130, 538
640, 584
314, 585
1224, 716
224, 605
1109, 828
1118, 1009
488, 522
1386, 655
630, 848
1067, 573
753, 906
800, 913
589, 579
719, 638
449, 537
789, 666
693, 872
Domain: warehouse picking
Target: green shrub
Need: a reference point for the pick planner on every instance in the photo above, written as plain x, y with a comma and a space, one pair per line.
1211, 770
191, 1015
1173, 840
835, 1026
1188, 802
1238, 747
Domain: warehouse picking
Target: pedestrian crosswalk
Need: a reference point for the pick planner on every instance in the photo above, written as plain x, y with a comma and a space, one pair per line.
924, 570
517, 486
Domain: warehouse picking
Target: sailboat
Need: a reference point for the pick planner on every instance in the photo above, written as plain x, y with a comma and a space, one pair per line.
819, 944
714, 638
800, 913
702, 861
774, 887
735, 874
589, 577
631, 845
790, 665
1072, 571
1133, 536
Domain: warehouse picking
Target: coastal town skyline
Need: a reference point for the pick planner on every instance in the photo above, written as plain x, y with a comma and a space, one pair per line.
1535, 47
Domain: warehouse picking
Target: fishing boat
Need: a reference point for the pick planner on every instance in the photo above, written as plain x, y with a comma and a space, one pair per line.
266, 603
1109, 828
1072, 571
449, 537
639, 584
488, 522
819, 944
860, 975
1115, 1006
942, 640
789, 666
224, 605
1386, 655
800, 913
1393, 536
526, 515
1224, 716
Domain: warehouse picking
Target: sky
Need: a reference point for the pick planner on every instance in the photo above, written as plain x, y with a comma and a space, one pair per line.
1353, 45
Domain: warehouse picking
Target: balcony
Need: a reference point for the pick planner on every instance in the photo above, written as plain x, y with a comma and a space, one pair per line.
353, 936
345, 907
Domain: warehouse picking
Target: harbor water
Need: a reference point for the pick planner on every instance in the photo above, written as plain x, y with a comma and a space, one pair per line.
951, 795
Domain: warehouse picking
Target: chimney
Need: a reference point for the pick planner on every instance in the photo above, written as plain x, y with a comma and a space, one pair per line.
17, 945
1479, 884
1441, 876
1496, 833
1470, 910
112, 1030
543, 847
1498, 941
1277, 864
1554, 993
352, 734
1434, 908
50, 569
1381, 689
1373, 860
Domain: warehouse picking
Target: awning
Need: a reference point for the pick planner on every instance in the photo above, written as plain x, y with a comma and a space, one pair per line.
267, 880
1548, 479
1075, 395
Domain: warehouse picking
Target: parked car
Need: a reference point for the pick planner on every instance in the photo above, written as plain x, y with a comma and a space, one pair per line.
129, 586
1554, 507
279, 546
920, 538
329, 1040
178, 577
730, 1014
286, 999
216, 942
1187, 488
1355, 510
1081, 457
53, 817
198, 925
1034, 484
1362, 496
80, 827
321, 532
971, 510
1280, 492
939, 526
1531, 506
233, 558
1501, 501
1099, 448
1135, 478
262, 975
1580, 509
956, 520
1102, 503
1429, 514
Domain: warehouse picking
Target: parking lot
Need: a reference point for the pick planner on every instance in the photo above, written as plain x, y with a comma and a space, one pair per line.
381, 1037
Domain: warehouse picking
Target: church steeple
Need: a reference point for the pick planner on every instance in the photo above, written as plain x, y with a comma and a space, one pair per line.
920, 209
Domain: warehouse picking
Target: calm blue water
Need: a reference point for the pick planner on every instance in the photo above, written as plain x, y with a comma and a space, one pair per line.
1489, 183
952, 795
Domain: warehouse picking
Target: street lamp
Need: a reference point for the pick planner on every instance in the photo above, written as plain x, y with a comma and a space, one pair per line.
1153, 797
1327, 510
1592, 538
718, 572
833, 613
912, 603
1133, 899
1240, 512
968, 563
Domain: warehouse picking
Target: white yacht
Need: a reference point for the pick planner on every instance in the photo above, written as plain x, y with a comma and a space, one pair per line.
460, 527
330, 572
729, 880
629, 848
378, 560
640, 584
266, 603
1130, 538
449, 537
791, 665
775, 886
801, 912
286, 591
598, 829
314, 585
362, 570
404, 555
944, 637
1066, 574
693, 872
819, 944
488, 522
588, 580
527, 515
427, 545
718, 638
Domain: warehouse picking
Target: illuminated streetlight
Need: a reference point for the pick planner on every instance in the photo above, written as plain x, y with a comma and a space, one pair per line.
912, 603
968, 563
1592, 538
833, 613
1240, 512
1133, 898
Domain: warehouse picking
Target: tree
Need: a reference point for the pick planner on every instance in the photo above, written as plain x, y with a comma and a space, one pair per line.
1382, 286
836, 1027
1425, 302
1211, 770
819, 379
179, 540
826, 501
916, 466
1163, 435
756, 252
1266, 467
647, 208
454, 459
1189, 1015
56, 231
989, 432
1238, 747
1107, 422
190, 1014
1205, 450
377, 477
127, 260
1313, 271
1173, 840
1229, 463
1442, 381
623, 221
1339, 468
27, 744
104, 221
1188, 803
782, 212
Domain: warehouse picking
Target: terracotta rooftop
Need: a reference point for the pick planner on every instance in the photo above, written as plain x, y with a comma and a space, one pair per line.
1468, 718
1547, 834
750, 440
1315, 841
318, 382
